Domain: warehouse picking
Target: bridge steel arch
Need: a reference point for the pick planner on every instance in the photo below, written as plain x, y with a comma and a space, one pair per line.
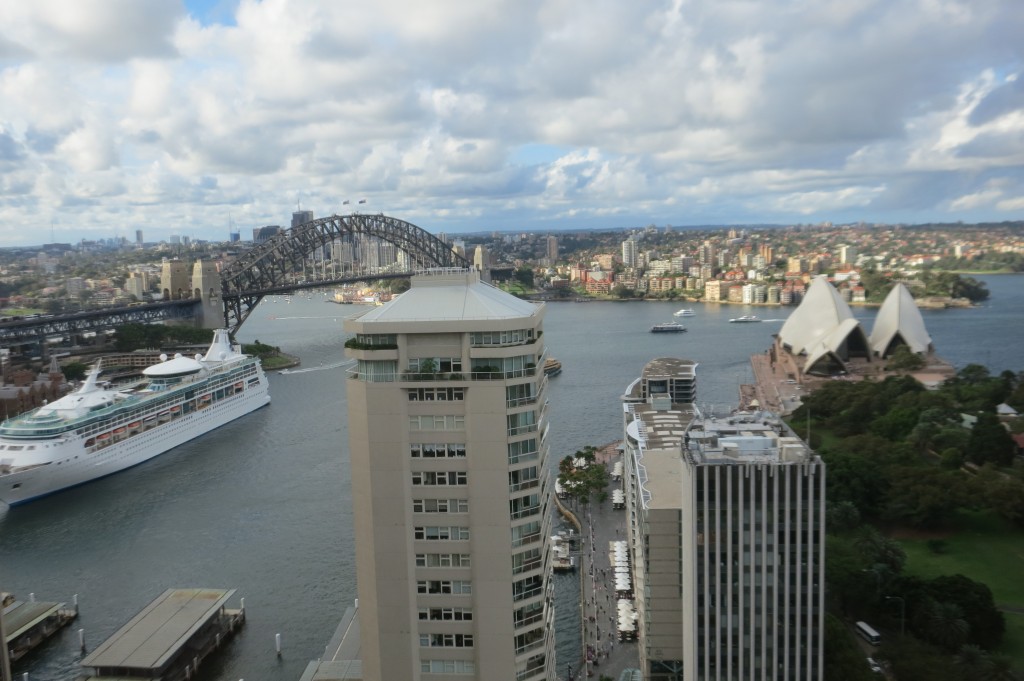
271, 267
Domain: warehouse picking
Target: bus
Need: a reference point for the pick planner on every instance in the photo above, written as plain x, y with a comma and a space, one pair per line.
868, 634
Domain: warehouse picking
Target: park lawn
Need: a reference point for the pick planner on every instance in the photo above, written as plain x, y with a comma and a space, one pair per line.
980, 545
986, 548
1013, 640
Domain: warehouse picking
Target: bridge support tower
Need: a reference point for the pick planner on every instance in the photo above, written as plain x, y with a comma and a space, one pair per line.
206, 287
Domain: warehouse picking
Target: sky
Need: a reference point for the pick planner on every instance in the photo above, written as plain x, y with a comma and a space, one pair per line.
202, 117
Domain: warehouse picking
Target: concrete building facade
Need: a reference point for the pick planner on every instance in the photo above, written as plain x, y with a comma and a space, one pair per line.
447, 418
727, 535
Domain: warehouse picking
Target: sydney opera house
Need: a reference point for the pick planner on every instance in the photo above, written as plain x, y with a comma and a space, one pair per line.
823, 337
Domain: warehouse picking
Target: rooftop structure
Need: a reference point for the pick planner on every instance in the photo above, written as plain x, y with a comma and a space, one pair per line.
169, 636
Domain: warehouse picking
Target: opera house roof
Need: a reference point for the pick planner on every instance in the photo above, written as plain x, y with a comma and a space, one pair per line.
899, 322
823, 329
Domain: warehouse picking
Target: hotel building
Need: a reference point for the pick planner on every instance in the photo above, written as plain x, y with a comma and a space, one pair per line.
727, 536
447, 420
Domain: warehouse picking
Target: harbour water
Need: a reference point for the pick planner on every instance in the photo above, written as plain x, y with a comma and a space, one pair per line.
263, 504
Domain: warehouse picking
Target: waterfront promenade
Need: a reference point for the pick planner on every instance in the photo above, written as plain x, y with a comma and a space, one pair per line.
600, 524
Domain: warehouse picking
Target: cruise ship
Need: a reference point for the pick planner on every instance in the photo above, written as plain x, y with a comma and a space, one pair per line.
98, 430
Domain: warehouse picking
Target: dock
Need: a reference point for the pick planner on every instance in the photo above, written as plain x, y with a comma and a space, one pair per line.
28, 623
169, 639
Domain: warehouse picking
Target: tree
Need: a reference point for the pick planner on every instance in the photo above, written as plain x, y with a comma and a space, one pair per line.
844, 658
923, 496
944, 625
990, 442
74, 371
905, 359
985, 621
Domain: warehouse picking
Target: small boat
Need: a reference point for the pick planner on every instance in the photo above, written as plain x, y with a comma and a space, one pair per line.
552, 367
685, 312
668, 327
745, 319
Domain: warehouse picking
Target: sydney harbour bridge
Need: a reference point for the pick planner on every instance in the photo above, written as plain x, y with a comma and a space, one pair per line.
302, 257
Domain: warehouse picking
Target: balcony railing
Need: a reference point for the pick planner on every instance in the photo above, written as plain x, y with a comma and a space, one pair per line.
530, 646
526, 540
526, 428
529, 593
525, 484
532, 564
526, 621
526, 512
520, 401
531, 672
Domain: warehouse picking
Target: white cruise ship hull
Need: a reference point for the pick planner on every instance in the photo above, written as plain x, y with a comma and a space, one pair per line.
72, 464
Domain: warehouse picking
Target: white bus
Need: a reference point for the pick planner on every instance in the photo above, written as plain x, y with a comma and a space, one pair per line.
868, 634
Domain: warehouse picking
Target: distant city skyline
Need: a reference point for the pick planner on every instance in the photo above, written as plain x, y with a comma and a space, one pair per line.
206, 117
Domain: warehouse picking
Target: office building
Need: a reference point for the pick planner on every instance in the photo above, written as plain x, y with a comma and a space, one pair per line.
447, 419
727, 536
301, 217
552, 249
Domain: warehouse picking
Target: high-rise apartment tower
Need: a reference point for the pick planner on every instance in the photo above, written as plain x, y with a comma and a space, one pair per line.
447, 419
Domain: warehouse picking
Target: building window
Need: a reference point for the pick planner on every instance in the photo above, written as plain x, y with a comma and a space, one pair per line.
446, 640
441, 533
436, 394
438, 451
447, 667
439, 478
446, 614
440, 505
449, 422
444, 586
443, 560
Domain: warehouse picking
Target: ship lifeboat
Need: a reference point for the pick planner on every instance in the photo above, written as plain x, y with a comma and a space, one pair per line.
102, 437
119, 431
239, 385
133, 426
90, 442
175, 409
204, 400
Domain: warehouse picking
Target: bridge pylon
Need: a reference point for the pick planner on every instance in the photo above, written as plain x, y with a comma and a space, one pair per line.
206, 287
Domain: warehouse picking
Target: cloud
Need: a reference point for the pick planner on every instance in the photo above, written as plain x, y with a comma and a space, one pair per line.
100, 30
563, 113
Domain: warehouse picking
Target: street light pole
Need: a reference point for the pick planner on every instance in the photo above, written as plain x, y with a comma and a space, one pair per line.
903, 611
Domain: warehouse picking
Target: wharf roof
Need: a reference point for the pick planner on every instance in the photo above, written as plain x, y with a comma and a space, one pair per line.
20, 616
451, 296
153, 637
899, 319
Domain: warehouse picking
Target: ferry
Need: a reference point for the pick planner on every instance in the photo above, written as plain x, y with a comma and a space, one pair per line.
745, 319
668, 327
552, 367
685, 312
99, 430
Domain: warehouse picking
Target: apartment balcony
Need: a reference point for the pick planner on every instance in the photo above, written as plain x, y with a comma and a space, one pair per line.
384, 352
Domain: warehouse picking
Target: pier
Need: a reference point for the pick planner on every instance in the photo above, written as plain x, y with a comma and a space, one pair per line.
28, 623
170, 638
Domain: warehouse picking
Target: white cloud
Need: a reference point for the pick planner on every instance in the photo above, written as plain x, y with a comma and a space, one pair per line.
695, 110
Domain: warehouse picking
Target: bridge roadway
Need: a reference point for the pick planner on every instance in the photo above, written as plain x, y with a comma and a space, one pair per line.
276, 266
35, 330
